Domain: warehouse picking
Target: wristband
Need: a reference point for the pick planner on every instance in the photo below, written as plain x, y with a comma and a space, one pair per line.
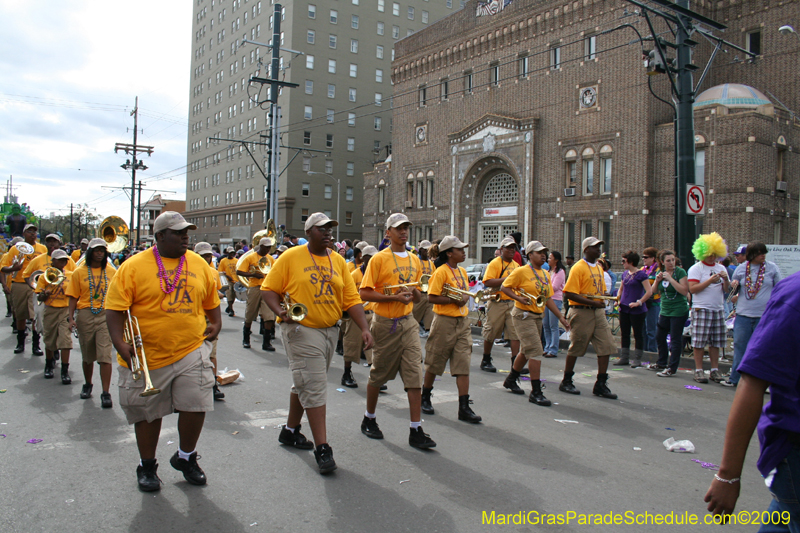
728, 481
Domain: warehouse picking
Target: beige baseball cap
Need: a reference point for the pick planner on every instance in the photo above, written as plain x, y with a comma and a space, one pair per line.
29, 226
282, 248
451, 241
94, 243
534, 246
266, 241
229, 249
424, 245
396, 219
59, 254
171, 220
203, 248
590, 241
84, 241
319, 219
508, 241
361, 245
53, 236
369, 250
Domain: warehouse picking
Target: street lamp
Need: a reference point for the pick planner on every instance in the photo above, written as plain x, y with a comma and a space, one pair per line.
338, 195
786, 30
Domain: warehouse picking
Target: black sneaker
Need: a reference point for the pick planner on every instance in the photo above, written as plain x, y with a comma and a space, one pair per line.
296, 439
511, 384
486, 364
191, 470
147, 475
218, 394
421, 440
348, 380
324, 456
369, 427
384, 387
86, 391
105, 400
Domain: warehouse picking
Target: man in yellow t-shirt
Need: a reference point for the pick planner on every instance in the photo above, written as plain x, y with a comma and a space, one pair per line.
255, 306
451, 334
397, 347
78, 252
55, 317
314, 276
587, 319
204, 250
423, 311
171, 291
227, 266
498, 313
525, 285
352, 342
14, 265
87, 294
5, 279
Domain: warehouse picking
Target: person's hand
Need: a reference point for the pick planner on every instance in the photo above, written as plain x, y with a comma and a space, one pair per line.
564, 323
734, 284
724, 274
634, 305
464, 301
404, 295
735, 298
258, 275
212, 331
598, 303
72, 324
366, 338
524, 300
43, 296
715, 278
284, 316
660, 276
721, 497
667, 276
6, 289
127, 352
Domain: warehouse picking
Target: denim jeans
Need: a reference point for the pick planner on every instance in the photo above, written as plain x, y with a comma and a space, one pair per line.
785, 490
651, 325
743, 328
551, 331
672, 325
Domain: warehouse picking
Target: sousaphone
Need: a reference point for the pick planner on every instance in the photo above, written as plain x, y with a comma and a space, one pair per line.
115, 232
270, 232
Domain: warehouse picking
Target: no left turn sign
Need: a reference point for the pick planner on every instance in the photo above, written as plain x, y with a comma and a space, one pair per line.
696, 200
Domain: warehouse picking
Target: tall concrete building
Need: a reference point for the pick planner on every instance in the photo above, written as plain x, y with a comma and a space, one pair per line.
337, 122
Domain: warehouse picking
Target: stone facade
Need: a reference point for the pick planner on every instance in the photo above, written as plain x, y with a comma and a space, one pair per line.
497, 117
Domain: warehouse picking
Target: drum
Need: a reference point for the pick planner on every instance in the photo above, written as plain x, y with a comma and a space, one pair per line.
241, 292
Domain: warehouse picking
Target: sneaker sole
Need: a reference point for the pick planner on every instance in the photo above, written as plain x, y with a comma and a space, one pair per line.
490, 370
149, 489
423, 446
372, 435
515, 391
187, 478
327, 469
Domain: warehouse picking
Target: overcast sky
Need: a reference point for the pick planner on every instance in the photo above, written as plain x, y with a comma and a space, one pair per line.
69, 73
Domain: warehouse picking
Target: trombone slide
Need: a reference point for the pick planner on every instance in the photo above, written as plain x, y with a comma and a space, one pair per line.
599, 297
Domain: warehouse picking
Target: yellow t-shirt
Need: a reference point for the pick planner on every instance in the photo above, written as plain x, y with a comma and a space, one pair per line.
215, 276
358, 275
228, 267
79, 286
250, 259
383, 270
172, 324
525, 278
58, 297
585, 279
18, 276
295, 273
351, 266
497, 268
43, 262
427, 266
76, 254
455, 278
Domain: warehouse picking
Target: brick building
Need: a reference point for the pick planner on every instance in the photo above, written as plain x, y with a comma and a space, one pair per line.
539, 119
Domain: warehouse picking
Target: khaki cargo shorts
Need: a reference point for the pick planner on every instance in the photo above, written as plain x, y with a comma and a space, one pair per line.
22, 300
256, 306
529, 327
589, 325
309, 351
352, 341
186, 385
93, 336
498, 321
396, 351
423, 312
57, 335
450, 340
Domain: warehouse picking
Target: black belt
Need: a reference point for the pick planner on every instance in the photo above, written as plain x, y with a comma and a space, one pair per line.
576, 306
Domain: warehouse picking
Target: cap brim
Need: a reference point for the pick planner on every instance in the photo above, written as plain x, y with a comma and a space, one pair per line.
401, 223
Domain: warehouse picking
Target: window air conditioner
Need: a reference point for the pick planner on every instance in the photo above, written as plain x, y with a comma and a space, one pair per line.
781, 186
570, 191
409, 203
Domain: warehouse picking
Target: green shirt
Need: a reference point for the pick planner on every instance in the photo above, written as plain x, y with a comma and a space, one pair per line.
673, 303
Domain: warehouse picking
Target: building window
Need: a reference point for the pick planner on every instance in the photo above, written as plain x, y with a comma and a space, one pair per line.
303, 214
332, 41
605, 170
310, 36
605, 235
380, 28
378, 99
589, 48
445, 85
378, 75
524, 66
331, 92
555, 57
351, 168
354, 22
351, 144
424, 17
306, 189
753, 42
423, 96
306, 138
700, 167
588, 176
572, 173
310, 62
306, 164
351, 94
351, 119
309, 87
395, 32
307, 112
501, 189
420, 194
379, 52
586, 229
312, 11
377, 124
348, 194
449, 4
353, 70
328, 191
381, 199
329, 115
334, 16
381, 6
354, 46
331, 66
410, 13
430, 193
348, 218
468, 82
494, 74
395, 9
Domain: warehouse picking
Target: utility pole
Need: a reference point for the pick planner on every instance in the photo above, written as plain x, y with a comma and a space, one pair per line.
139, 216
71, 238
133, 149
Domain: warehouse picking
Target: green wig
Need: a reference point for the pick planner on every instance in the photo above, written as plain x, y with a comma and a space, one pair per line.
709, 245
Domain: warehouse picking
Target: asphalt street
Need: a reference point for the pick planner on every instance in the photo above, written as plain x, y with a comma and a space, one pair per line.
604, 456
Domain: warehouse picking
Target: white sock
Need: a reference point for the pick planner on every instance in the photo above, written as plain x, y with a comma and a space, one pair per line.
715, 369
415, 425
290, 429
140, 463
183, 455
369, 415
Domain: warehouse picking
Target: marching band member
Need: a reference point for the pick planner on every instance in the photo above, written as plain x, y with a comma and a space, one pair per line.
78, 252
423, 310
5, 279
279, 250
204, 250
451, 336
227, 265
87, 293
21, 292
169, 291
527, 315
498, 313
254, 302
397, 347
319, 279
57, 335
587, 319
353, 343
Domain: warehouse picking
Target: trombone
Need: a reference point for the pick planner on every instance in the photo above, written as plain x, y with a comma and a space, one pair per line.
52, 276
133, 336
455, 293
296, 311
599, 297
422, 284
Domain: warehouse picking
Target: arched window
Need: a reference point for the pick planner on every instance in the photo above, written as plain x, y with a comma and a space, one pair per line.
501, 189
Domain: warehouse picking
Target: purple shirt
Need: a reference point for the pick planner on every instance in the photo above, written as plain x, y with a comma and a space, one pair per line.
771, 356
633, 290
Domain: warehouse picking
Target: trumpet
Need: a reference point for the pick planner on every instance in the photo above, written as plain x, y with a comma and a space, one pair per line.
455, 293
537, 300
422, 284
599, 297
492, 296
133, 336
296, 311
